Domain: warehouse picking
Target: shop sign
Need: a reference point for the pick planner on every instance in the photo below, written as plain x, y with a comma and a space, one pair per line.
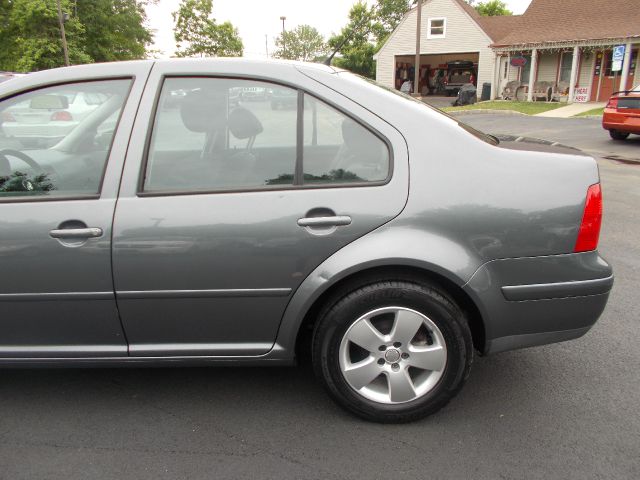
519, 61
581, 95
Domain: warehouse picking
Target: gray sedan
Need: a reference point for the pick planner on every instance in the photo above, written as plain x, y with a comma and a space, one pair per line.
181, 224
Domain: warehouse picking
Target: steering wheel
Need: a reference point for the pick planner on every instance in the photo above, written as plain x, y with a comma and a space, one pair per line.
5, 166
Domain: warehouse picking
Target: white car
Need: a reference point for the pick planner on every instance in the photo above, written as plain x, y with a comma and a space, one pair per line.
44, 120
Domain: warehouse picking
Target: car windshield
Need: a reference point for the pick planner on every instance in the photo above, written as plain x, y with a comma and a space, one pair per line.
477, 133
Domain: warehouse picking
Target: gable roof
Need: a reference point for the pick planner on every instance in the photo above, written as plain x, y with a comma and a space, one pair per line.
473, 13
572, 20
499, 27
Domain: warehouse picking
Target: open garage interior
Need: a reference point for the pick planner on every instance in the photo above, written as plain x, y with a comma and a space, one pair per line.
433, 70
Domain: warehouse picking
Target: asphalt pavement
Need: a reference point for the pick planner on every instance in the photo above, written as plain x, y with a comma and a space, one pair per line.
563, 411
584, 133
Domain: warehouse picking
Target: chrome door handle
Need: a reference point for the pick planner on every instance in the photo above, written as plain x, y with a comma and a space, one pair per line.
76, 233
335, 221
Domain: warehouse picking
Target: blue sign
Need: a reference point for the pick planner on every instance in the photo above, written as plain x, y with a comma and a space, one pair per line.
618, 57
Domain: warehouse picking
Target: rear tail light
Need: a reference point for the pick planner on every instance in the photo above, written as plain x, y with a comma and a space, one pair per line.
8, 117
591, 221
613, 103
62, 116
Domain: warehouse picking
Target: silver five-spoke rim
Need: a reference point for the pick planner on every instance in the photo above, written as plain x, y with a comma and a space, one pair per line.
393, 355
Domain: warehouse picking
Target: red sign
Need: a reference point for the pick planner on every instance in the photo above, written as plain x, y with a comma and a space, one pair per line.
518, 61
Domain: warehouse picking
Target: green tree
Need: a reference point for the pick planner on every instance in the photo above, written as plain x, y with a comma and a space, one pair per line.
355, 41
365, 33
114, 29
96, 31
303, 43
493, 8
388, 15
30, 37
198, 34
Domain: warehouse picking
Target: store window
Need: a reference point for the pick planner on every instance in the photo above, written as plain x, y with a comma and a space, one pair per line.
609, 64
525, 70
565, 66
437, 28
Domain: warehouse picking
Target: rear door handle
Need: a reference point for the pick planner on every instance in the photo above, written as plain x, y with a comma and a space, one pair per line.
75, 233
319, 222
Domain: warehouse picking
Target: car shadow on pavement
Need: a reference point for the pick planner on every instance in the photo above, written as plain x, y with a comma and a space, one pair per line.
495, 382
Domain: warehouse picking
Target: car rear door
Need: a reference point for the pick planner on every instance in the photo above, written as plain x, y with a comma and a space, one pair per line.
59, 179
217, 223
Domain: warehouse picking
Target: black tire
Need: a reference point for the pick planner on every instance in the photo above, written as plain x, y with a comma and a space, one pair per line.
339, 314
616, 135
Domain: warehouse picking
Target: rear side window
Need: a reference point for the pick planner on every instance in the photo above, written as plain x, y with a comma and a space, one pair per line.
221, 134
52, 145
337, 149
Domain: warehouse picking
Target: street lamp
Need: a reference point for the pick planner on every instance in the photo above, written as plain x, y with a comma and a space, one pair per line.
284, 44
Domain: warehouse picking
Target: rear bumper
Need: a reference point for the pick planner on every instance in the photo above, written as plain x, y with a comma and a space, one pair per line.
539, 300
621, 121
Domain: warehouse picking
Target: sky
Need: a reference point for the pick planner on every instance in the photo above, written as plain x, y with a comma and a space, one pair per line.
257, 18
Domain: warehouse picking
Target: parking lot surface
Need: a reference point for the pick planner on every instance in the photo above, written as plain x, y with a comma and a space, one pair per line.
565, 411
584, 133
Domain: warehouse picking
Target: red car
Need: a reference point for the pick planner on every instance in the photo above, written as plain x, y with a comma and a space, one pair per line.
622, 114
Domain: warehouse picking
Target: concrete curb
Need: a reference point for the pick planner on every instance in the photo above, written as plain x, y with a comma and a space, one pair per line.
486, 110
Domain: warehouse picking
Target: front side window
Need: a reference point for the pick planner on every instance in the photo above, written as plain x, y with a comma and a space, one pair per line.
437, 27
55, 141
224, 134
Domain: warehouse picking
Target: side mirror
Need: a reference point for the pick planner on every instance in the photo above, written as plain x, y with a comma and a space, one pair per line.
49, 102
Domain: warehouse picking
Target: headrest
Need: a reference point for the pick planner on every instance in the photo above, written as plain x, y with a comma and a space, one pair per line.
203, 111
244, 124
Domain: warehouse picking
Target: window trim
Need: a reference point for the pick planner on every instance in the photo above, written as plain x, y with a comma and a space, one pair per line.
299, 144
89, 196
444, 27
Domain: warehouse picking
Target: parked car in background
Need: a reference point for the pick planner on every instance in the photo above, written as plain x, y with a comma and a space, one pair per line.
283, 98
622, 114
44, 120
459, 73
230, 233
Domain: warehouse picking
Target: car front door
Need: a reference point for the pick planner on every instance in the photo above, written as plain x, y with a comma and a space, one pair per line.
229, 201
59, 177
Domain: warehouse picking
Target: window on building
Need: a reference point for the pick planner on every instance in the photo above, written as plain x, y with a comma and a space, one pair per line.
437, 28
565, 66
525, 70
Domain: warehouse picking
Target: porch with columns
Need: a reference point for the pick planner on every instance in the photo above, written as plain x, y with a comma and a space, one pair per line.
590, 69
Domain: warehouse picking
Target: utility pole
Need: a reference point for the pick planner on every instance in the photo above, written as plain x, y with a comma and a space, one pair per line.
416, 77
266, 45
61, 19
284, 44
